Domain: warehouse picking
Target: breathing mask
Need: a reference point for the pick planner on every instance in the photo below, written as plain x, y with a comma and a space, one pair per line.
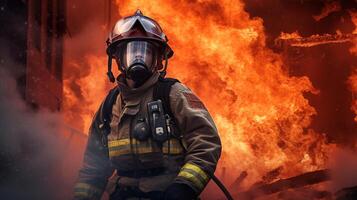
137, 59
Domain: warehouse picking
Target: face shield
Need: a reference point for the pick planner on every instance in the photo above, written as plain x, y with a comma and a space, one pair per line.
138, 59
149, 25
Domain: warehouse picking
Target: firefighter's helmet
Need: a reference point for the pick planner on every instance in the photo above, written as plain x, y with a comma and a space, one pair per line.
138, 28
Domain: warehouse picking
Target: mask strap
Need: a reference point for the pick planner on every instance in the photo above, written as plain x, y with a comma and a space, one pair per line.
110, 73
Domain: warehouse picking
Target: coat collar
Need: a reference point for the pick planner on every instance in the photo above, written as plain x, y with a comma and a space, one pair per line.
129, 93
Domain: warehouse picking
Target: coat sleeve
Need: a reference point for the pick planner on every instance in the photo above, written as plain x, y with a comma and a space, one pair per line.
200, 137
96, 166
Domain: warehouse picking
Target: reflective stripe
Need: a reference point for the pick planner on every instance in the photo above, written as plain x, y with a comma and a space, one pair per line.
121, 142
194, 174
84, 190
147, 146
119, 147
123, 147
175, 147
197, 169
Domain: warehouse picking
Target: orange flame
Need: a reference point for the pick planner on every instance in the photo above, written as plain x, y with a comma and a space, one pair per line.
294, 35
260, 111
220, 53
79, 110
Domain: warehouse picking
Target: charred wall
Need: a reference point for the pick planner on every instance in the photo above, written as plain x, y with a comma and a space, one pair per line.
32, 38
46, 28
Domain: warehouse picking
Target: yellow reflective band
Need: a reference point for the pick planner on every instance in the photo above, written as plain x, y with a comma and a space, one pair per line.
194, 174
84, 190
192, 178
123, 147
119, 147
175, 147
121, 142
197, 169
147, 146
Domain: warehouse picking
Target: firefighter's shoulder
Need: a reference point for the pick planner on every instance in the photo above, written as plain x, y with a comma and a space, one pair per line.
181, 92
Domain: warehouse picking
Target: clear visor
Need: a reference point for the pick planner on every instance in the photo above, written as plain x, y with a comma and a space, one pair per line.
149, 25
137, 52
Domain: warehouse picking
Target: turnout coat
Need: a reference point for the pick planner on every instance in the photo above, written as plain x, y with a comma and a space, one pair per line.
188, 157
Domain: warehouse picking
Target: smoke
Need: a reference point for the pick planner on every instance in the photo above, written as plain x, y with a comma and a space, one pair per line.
343, 173
39, 157
33, 149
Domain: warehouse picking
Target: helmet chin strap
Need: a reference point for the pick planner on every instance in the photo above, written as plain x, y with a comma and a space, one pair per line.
110, 73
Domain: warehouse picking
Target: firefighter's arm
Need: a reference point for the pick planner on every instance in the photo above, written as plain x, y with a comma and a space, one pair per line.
96, 167
200, 137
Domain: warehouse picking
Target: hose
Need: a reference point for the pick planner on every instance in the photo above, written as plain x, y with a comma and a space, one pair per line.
222, 187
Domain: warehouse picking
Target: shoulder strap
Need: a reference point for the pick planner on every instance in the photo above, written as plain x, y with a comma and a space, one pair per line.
162, 92
106, 109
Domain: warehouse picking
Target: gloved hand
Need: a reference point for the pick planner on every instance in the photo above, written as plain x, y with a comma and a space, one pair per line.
177, 191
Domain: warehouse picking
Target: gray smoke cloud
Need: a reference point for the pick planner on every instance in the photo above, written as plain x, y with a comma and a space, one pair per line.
343, 169
37, 161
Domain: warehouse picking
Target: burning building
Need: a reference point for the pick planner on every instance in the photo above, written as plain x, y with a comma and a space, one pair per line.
281, 109
284, 92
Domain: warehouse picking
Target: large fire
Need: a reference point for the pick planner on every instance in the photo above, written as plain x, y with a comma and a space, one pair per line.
220, 53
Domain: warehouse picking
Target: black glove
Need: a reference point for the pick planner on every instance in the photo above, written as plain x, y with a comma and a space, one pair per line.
177, 191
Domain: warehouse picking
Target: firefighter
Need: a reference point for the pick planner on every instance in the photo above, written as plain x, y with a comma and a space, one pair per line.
152, 138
